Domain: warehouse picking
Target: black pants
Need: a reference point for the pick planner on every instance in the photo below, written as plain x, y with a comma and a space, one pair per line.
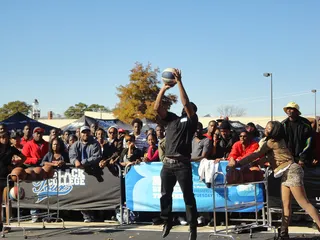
182, 172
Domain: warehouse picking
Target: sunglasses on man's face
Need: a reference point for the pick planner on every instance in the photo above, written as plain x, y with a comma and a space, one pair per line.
112, 133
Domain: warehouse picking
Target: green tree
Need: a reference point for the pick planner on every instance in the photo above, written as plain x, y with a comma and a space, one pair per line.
98, 108
11, 108
77, 111
137, 98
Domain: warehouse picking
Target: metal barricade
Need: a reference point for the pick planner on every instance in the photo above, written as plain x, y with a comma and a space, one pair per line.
47, 216
226, 232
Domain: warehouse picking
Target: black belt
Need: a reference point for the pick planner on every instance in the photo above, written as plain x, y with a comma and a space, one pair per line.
173, 161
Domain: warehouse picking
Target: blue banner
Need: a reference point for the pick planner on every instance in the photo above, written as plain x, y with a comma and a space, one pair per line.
143, 191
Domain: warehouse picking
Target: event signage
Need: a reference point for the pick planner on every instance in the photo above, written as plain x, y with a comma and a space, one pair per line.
78, 189
143, 190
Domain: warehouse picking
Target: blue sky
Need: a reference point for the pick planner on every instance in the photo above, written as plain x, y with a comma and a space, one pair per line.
65, 52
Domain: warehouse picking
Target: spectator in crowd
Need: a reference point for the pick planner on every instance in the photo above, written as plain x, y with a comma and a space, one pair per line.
282, 163
65, 138
152, 154
55, 157
112, 148
35, 149
226, 141
315, 142
27, 135
215, 143
177, 164
93, 129
100, 137
78, 133
72, 139
253, 132
140, 137
160, 132
15, 140
201, 145
3, 128
53, 134
6, 154
121, 134
244, 147
85, 153
130, 154
150, 131
212, 127
298, 135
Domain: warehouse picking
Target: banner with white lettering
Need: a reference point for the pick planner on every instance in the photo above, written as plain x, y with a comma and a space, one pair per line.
143, 191
77, 189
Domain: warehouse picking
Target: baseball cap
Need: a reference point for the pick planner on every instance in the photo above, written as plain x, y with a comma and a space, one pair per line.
121, 130
84, 128
38, 129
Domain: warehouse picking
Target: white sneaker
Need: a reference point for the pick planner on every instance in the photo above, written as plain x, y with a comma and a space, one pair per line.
182, 221
87, 220
200, 220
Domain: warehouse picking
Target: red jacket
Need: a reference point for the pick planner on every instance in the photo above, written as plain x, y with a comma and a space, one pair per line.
34, 152
237, 151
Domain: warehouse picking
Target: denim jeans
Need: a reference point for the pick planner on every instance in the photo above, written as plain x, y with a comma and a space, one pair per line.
170, 174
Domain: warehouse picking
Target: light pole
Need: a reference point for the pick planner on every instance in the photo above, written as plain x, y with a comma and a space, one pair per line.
315, 103
271, 92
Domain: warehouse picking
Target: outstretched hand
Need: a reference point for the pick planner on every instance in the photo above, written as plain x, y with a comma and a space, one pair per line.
177, 75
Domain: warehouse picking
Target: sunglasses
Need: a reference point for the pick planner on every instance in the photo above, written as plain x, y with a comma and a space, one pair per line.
112, 133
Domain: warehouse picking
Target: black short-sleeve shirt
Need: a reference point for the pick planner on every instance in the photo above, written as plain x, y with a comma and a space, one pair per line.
179, 134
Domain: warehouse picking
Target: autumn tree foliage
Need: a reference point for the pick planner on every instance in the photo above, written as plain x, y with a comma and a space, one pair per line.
137, 98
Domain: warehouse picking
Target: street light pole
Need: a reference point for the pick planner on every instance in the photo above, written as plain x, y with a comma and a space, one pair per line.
315, 103
271, 92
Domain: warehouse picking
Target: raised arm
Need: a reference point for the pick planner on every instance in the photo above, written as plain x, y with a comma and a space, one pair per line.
162, 112
183, 94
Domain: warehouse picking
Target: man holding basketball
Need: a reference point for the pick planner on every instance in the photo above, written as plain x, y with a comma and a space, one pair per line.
176, 163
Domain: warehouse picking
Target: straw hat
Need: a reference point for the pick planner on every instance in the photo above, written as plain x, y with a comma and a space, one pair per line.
292, 105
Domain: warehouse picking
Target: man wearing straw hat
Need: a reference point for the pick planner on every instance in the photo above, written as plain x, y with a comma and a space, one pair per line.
298, 134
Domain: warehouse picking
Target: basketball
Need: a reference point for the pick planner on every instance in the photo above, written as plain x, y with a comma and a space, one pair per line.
48, 171
18, 172
13, 193
167, 76
39, 173
31, 176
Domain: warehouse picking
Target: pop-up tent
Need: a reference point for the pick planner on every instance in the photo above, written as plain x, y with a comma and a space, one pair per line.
102, 123
18, 120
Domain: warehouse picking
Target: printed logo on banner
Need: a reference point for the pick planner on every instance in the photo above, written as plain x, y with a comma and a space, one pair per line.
67, 180
318, 200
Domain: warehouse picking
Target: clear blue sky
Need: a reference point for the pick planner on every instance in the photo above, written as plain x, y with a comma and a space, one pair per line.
65, 52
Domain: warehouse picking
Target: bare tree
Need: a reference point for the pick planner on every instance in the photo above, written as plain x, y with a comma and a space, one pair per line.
231, 111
